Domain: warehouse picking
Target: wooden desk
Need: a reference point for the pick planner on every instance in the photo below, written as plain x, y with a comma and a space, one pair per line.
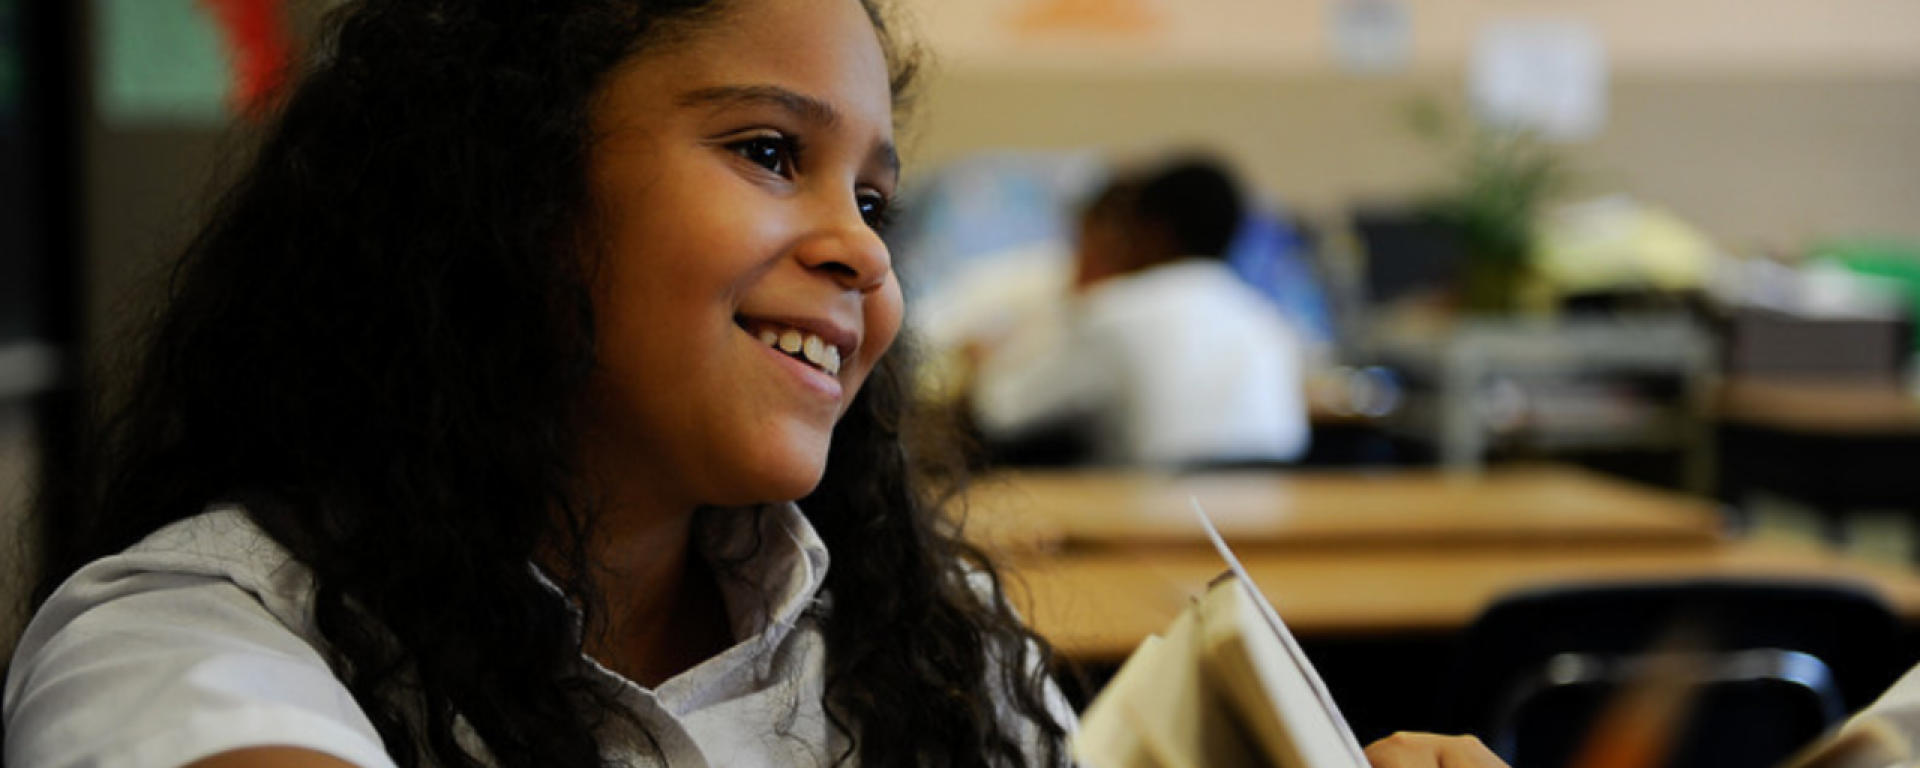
1820, 406
1098, 607
1837, 444
1315, 510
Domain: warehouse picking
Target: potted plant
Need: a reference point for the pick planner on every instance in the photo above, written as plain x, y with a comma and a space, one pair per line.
1503, 177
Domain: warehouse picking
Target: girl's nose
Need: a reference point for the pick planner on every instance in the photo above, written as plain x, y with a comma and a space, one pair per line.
847, 249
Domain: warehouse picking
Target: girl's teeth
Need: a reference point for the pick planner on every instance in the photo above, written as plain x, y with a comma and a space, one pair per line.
827, 358
806, 345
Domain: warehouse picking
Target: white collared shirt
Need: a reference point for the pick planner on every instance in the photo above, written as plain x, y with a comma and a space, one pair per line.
200, 640
1177, 364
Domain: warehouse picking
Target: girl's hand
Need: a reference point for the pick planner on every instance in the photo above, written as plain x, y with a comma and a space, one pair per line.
1429, 750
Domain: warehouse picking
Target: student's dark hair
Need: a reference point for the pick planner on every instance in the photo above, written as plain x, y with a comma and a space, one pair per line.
1196, 200
377, 343
1114, 200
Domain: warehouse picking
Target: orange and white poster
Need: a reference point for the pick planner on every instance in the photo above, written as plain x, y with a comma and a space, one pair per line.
1105, 34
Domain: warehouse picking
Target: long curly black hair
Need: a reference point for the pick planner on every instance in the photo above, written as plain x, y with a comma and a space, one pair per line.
378, 343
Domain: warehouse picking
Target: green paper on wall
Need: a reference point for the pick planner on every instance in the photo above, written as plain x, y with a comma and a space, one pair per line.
11, 77
159, 62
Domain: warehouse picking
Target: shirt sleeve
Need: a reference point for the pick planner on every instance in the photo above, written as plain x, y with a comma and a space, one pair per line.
157, 669
1050, 372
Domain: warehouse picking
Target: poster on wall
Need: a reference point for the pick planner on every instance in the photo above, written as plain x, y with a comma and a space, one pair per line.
187, 62
1545, 76
1372, 36
1114, 20
1015, 34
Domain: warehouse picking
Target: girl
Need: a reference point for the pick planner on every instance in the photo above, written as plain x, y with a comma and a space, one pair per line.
470, 433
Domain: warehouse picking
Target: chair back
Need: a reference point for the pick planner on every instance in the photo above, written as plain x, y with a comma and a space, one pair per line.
1768, 666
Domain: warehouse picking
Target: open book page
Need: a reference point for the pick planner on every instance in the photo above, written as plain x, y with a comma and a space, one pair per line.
1106, 738
1309, 710
1224, 686
1868, 743
1164, 712
1269, 696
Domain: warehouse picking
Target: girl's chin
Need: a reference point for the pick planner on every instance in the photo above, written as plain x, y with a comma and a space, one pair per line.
789, 483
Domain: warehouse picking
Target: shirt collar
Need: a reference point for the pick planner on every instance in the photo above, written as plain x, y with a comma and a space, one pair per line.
772, 568
771, 564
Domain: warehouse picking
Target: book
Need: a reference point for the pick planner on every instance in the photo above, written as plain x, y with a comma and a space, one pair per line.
1225, 685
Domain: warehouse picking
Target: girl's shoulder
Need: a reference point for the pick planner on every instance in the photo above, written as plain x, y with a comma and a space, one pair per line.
221, 547
197, 640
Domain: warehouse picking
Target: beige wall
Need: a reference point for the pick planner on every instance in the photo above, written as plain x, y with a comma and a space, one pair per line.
1745, 36
1769, 123
1758, 161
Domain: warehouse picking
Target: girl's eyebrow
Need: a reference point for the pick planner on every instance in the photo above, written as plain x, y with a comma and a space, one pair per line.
724, 96
807, 108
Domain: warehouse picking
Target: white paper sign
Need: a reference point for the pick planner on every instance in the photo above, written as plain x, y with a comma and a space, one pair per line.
1546, 76
1372, 36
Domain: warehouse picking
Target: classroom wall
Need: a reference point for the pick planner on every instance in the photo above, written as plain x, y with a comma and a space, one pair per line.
19, 465
1741, 36
1770, 124
1759, 161
145, 189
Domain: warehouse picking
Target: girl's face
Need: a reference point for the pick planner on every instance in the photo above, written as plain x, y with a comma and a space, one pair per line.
744, 293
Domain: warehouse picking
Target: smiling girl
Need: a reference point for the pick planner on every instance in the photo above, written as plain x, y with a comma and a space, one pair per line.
472, 431
473, 428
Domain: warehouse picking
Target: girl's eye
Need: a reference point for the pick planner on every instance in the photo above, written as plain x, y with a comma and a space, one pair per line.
877, 210
775, 154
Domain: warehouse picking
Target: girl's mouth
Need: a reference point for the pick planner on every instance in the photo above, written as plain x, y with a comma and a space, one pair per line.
806, 347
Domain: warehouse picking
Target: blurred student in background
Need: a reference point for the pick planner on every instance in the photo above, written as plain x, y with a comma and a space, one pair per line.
1161, 355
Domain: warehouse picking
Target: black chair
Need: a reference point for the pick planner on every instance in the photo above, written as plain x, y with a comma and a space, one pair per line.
1775, 664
